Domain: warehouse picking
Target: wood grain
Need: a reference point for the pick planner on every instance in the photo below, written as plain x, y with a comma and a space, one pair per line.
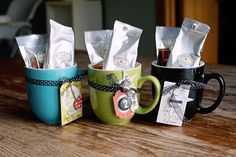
21, 134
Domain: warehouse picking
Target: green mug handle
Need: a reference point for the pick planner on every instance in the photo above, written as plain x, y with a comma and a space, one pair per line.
156, 84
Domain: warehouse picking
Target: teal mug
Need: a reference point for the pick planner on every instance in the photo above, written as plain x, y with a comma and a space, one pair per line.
43, 90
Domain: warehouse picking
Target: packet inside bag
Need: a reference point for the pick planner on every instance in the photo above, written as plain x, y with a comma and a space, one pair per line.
61, 46
188, 45
97, 45
123, 50
165, 40
33, 49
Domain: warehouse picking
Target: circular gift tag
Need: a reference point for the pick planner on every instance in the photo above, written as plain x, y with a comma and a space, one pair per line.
185, 60
124, 104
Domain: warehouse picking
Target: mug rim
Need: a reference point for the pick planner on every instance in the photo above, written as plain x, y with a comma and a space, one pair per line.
154, 63
137, 65
55, 69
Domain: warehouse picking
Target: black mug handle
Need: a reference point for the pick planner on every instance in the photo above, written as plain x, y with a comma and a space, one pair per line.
221, 82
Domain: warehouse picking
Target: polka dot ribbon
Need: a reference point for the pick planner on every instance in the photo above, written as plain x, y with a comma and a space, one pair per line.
52, 82
112, 88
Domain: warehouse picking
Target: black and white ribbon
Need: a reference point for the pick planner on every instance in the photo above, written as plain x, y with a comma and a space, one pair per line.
183, 83
115, 85
113, 88
52, 82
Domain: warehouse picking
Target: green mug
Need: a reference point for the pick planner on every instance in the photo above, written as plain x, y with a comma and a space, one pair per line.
108, 93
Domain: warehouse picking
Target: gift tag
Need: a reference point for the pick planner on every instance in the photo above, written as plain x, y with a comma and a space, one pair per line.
71, 101
173, 104
122, 105
125, 100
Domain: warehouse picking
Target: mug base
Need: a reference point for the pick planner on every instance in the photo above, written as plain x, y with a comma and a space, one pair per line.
116, 123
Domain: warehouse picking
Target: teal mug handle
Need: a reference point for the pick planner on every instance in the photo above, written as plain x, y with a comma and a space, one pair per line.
84, 72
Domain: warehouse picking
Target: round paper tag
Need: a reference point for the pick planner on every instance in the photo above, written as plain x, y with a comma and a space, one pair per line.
124, 104
185, 60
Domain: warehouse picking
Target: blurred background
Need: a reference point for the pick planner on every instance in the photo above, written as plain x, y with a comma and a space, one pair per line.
85, 15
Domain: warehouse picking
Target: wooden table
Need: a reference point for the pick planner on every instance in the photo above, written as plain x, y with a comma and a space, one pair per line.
21, 134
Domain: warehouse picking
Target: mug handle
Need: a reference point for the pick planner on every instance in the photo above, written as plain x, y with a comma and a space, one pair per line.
156, 83
221, 82
84, 72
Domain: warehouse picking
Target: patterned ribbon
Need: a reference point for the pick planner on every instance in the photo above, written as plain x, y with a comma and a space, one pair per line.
113, 88
183, 83
52, 82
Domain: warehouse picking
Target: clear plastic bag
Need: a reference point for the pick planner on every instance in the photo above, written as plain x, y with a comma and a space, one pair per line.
33, 49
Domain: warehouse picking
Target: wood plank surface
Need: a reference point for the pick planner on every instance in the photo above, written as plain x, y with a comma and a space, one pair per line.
21, 134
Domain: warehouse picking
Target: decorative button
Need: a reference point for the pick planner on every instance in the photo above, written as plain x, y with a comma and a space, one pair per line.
125, 103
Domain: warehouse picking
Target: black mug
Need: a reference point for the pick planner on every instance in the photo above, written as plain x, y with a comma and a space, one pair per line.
197, 74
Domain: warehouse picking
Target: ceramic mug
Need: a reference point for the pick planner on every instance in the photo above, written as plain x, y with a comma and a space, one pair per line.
43, 90
102, 101
197, 74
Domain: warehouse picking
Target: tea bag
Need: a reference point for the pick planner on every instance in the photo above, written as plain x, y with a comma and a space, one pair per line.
165, 40
97, 44
188, 45
61, 46
33, 49
166, 36
123, 51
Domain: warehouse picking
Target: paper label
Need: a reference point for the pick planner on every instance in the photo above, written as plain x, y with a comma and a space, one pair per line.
122, 105
71, 102
173, 104
125, 100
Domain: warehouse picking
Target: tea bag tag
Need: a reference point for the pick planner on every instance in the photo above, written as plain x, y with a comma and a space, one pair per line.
71, 102
173, 104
